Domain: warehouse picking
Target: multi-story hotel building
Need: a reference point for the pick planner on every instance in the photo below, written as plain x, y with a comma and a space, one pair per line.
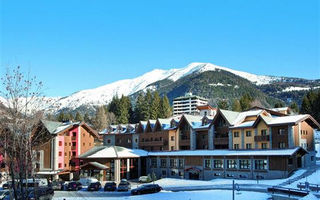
66, 141
188, 104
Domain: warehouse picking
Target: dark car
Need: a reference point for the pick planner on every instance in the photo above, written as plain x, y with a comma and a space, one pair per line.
74, 186
124, 186
94, 186
110, 186
146, 189
57, 185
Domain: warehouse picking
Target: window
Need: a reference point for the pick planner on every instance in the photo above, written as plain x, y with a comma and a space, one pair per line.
83, 144
264, 145
65, 153
60, 153
281, 131
65, 144
136, 140
74, 134
163, 163
264, 132
173, 162
84, 135
160, 139
74, 153
65, 165
172, 148
248, 133
60, 165
129, 140
164, 172
142, 140
249, 146
217, 164
236, 134
181, 163
236, 146
60, 143
290, 161
173, 173
161, 148
74, 144
260, 164
231, 164
244, 164
70, 144
68, 134
109, 141
282, 145
90, 144
154, 162
207, 163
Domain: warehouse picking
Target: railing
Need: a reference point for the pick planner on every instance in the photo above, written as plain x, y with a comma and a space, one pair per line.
312, 187
261, 138
152, 143
73, 148
73, 138
288, 191
223, 140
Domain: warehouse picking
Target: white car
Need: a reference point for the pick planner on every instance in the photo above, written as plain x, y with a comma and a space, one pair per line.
143, 179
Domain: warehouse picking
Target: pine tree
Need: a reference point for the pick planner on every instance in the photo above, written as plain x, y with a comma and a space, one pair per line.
294, 107
78, 117
236, 106
123, 110
141, 109
61, 117
223, 104
86, 118
245, 101
165, 108
306, 105
278, 105
155, 106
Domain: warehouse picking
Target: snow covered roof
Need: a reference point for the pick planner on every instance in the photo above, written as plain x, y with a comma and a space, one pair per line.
230, 116
217, 152
57, 127
280, 109
195, 121
244, 124
113, 152
310, 196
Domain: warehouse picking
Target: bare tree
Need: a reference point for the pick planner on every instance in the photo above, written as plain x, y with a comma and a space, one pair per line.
24, 104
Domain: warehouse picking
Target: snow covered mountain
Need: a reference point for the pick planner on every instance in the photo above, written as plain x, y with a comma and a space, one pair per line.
174, 77
102, 95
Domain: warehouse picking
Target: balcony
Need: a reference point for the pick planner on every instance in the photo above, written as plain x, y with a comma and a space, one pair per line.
221, 141
152, 143
73, 138
261, 138
73, 148
184, 142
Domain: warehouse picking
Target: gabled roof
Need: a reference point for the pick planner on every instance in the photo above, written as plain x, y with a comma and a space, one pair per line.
205, 107
292, 119
194, 121
56, 128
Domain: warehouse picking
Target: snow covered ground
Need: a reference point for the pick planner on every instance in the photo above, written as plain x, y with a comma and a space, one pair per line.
190, 195
318, 150
172, 183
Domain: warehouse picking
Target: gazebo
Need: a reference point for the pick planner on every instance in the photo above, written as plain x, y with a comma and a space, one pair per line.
114, 162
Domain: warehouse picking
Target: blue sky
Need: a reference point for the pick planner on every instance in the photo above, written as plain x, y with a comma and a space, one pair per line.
75, 45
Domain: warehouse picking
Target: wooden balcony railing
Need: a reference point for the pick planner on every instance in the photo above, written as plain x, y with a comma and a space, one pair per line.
261, 138
152, 143
221, 141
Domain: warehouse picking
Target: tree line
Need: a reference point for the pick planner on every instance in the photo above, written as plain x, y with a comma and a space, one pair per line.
148, 105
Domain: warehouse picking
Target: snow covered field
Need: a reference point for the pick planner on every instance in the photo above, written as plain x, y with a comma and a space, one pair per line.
171, 183
191, 195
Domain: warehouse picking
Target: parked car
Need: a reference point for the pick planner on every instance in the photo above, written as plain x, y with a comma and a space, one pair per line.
144, 179
110, 186
124, 186
146, 189
57, 185
94, 186
74, 186
4, 194
7, 185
